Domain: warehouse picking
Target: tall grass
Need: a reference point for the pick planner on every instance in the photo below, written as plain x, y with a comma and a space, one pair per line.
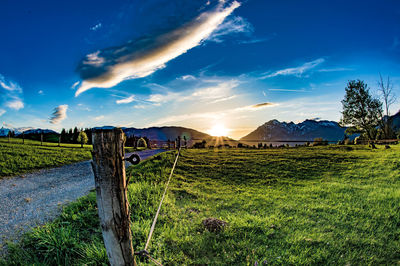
309, 205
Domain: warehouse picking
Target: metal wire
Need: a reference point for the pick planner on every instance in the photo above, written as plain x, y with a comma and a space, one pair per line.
159, 206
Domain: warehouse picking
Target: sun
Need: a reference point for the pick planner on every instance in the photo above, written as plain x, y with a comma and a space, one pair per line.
218, 130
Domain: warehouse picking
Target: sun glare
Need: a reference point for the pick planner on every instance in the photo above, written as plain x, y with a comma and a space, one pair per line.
218, 130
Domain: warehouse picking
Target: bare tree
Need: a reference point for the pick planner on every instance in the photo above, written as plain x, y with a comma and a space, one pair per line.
388, 98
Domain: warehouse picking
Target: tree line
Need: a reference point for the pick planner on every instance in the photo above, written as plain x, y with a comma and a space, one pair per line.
76, 136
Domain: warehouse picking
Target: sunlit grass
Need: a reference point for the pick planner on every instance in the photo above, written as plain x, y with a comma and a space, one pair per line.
315, 205
17, 158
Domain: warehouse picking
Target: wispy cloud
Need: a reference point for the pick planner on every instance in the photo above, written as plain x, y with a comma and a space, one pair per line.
254, 107
188, 77
221, 91
335, 69
12, 95
59, 114
231, 26
225, 99
98, 118
108, 67
9, 85
75, 85
126, 100
2, 112
15, 103
82, 106
296, 71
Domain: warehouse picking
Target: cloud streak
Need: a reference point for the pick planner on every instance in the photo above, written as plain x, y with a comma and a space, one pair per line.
234, 25
296, 71
106, 68
59, 114
126, 100
9, 86
222, 91
12, 95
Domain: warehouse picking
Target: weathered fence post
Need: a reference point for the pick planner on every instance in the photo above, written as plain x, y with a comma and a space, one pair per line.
41, 139
59, 140
23, 137
112, 203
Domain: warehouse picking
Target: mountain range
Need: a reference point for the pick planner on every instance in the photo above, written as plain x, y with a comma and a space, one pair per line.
307, 130
26, 130
272, 130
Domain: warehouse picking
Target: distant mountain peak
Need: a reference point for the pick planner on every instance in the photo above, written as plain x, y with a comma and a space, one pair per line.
307, 130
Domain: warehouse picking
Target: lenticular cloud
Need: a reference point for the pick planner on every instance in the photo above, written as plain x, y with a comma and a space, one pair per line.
59, 114
106, 68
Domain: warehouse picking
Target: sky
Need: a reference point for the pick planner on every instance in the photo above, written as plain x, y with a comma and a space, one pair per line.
198, 64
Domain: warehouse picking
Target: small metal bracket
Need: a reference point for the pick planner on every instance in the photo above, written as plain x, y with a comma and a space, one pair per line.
133, 159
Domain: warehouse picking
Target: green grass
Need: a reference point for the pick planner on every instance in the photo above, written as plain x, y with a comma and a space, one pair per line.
315, 205
17, 158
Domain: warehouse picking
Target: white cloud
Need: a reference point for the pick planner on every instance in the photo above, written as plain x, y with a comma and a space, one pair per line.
296, 71
9, 86
335, 69
59, 114
15, 103
225, 99
75, 85
40, 92
188, 77
222, 91
139, 59
98, 118
2, 112
163, 98
231, 26
126, 100
12, 95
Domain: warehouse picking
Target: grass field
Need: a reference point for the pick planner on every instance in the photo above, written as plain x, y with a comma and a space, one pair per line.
309, 205
17, 158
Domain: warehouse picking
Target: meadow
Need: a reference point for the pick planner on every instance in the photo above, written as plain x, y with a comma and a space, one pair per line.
17, 158
309, 205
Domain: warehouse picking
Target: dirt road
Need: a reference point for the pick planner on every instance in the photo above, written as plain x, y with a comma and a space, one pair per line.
33, 199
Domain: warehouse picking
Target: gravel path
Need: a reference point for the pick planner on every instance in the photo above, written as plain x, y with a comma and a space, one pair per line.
33, 199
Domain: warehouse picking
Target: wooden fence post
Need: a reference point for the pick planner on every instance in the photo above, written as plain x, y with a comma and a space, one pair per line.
23, 138
41, 139
112, 203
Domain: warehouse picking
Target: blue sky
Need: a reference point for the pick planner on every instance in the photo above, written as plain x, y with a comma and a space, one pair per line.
190, 63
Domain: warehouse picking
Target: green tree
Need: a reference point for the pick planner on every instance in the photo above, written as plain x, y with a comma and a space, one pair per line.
82, 138
63, 135
75, 135
361, 111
